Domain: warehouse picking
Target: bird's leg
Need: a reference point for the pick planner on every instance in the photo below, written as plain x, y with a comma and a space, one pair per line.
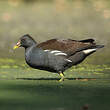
62, 76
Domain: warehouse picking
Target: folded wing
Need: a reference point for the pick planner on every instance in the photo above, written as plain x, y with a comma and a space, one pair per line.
67, 46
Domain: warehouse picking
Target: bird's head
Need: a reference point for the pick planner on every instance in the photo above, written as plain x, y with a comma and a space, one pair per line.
25, 41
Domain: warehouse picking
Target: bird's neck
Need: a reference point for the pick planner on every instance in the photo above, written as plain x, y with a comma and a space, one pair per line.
30, 47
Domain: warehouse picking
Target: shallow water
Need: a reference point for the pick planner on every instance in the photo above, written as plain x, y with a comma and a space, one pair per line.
24, 88
52, 95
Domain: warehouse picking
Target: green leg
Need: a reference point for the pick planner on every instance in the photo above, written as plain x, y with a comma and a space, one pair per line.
62, 77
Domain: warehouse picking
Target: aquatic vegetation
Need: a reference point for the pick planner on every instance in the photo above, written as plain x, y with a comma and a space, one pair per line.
90, 67
14, 68
7, 60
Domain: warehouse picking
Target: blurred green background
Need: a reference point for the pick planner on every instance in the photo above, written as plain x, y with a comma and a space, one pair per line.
87, 86
47, 19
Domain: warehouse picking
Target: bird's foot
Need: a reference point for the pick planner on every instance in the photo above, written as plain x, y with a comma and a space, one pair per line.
62, 77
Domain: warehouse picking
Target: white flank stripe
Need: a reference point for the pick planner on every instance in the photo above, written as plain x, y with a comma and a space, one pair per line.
68, 60
55, 51
61, 54
88, 51
46, 50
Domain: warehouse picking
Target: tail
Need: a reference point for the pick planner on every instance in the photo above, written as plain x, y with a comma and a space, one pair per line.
87, 40
92, 49
99, 46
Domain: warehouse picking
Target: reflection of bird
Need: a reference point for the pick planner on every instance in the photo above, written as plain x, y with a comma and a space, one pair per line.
85, 107
56, 55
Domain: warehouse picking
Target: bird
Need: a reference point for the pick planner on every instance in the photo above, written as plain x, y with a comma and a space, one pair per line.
56, 55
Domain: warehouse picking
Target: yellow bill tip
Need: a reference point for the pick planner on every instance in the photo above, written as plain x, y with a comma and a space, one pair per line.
15, 47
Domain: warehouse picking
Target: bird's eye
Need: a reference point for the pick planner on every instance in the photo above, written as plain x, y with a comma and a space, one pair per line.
23, 40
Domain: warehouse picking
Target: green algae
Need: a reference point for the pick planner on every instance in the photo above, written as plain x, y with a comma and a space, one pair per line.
14, 68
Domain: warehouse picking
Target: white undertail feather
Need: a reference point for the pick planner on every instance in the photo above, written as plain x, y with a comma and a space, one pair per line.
89, 51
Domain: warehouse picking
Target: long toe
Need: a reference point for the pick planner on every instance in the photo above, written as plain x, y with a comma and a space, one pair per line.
62, 79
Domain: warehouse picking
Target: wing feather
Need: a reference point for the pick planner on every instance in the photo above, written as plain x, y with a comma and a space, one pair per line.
67, 46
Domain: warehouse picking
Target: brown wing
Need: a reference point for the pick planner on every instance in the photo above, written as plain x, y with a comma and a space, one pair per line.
68, 46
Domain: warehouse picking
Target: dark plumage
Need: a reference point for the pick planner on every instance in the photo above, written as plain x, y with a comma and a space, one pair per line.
56, 55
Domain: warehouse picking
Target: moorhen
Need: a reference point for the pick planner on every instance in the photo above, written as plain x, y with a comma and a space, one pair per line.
56, 55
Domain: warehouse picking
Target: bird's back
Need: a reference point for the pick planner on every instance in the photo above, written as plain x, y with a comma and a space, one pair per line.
67, 46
